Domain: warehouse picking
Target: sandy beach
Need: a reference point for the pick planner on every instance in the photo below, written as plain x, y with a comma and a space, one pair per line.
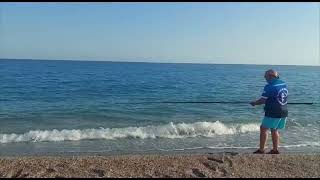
178, 165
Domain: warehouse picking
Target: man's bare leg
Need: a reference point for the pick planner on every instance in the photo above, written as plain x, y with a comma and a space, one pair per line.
263, 137
275, 139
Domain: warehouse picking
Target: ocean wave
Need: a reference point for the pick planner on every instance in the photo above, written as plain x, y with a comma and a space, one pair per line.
171, 130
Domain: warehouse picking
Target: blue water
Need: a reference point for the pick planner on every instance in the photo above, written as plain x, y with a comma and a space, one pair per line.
51, 107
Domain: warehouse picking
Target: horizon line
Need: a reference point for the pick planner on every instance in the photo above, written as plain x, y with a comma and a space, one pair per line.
77, 60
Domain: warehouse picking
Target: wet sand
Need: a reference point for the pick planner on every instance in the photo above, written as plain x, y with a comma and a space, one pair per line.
175, 165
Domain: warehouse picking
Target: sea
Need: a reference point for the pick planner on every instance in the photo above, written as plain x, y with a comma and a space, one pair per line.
59, 107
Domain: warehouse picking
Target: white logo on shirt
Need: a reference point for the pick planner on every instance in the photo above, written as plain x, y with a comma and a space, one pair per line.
282, 96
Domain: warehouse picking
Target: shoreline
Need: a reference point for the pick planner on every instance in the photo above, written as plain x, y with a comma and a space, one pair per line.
189, 165
225, 151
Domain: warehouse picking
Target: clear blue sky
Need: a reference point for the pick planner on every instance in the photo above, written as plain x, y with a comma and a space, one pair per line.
241, 33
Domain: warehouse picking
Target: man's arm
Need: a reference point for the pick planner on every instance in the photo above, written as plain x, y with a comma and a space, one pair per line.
264, 96
259, 101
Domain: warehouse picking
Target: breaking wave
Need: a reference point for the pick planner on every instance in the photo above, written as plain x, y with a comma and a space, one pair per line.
171, 130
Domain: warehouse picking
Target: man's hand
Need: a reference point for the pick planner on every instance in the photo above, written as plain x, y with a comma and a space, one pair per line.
258, 102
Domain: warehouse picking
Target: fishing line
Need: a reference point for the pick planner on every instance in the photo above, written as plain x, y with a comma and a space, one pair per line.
205, 102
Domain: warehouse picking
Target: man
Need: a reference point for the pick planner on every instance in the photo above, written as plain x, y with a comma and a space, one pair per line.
274, 97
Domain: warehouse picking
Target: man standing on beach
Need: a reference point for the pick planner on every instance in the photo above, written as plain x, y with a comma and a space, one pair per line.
274, 97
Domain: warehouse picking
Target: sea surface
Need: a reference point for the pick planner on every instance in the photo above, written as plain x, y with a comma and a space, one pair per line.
54, 107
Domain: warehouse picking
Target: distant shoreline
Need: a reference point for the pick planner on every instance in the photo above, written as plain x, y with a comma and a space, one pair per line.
183, 165
144, 62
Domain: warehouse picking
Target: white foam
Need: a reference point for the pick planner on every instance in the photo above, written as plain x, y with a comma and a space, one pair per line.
231, 147
171, 130
312, 144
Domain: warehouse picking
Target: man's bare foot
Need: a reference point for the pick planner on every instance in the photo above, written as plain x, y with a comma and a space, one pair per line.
273, 152
259, 151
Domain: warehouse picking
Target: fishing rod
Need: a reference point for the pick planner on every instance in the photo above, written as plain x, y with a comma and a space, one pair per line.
204, 102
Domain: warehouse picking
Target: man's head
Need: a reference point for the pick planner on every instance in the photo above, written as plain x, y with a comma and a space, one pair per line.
270, 75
